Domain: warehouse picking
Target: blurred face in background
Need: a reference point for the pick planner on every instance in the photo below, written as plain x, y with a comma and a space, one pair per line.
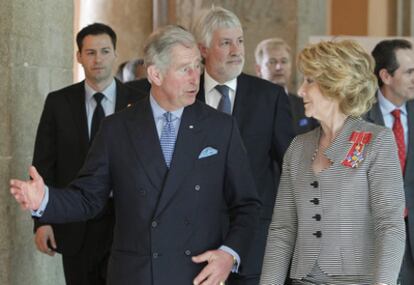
276, 66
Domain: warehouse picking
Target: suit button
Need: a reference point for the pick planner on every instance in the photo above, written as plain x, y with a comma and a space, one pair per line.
197, 187
315, 184
318, 234
142, 192
187, 252
154, 224
155, 255
315, 201
317, 217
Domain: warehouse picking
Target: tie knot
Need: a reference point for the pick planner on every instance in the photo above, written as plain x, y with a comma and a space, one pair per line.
223, 89
396, 113
168, 117
98, 97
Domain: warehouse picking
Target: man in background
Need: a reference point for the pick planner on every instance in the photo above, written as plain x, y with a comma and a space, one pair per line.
274, 63
262, 113
69, 122
394, 68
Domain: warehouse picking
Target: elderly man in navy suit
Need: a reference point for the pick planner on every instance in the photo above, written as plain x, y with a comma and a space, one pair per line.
394, 68
261, 110
184, 196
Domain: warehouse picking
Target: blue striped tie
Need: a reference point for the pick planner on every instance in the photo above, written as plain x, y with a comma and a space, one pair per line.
167, 139
224, 104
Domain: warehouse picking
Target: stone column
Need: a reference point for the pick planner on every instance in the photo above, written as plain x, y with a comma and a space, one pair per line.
36, 57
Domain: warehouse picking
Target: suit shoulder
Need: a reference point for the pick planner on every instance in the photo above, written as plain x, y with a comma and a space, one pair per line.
74, 88
203, 108
263, 85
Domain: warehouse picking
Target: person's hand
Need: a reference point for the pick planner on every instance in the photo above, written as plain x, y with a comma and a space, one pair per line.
45, 237
217, 270
28, 194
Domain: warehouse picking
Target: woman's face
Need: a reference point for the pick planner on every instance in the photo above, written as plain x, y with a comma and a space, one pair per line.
316, 104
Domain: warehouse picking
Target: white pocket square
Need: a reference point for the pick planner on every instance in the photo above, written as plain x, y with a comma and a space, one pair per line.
208, 151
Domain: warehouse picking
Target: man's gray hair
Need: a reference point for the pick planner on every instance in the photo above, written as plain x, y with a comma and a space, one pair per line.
211, 20
157, 49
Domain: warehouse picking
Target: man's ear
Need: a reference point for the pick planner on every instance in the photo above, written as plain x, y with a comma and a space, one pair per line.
154, 75
385, 76
78, 57
203, 50
258, 72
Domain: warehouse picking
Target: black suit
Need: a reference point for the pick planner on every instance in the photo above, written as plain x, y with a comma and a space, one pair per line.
301, 123
262, 112
62, 143
375, 116
142, 85
164, 217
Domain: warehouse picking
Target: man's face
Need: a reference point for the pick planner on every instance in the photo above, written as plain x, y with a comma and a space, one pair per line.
276, 66
97, 57
224, 59
401, 83
179, 82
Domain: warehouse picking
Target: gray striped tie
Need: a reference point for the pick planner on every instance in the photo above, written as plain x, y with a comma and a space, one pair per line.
167, 139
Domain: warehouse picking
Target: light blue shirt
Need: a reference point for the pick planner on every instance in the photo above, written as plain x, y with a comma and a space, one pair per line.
108, 102
386, 107
158, 113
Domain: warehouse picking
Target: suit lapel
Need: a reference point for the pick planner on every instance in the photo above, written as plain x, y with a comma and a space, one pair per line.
375, 115
77, 104
144, 137
242, 102
187, 148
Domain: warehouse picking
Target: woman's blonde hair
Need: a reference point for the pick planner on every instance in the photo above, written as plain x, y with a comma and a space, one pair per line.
344, 71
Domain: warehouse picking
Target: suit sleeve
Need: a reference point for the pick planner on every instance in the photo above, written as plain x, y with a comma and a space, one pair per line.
241, 196
283, 131
87, 195
44, 156
387, 204
282, 231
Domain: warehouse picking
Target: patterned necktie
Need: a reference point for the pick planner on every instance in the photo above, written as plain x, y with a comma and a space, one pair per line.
98, 115
224, 104
167, 139
398, 130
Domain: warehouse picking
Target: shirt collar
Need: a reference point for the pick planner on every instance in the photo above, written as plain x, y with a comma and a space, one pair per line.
109, 91
210, 83
387, 106
158, 111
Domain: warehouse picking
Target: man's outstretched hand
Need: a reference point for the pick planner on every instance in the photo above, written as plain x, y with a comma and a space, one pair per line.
28, 194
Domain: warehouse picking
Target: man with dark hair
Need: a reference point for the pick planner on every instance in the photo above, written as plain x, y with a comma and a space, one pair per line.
394, 68
69, 121
261, 110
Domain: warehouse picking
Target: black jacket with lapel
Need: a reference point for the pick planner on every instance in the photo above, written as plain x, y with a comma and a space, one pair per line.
62, 143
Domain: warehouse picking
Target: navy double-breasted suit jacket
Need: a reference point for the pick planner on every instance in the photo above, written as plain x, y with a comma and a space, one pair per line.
164, 217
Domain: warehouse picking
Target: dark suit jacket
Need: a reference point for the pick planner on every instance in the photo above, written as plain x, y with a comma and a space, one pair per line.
375, 116
142, 85
301, 123
263, 116
164, 217
62, 142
